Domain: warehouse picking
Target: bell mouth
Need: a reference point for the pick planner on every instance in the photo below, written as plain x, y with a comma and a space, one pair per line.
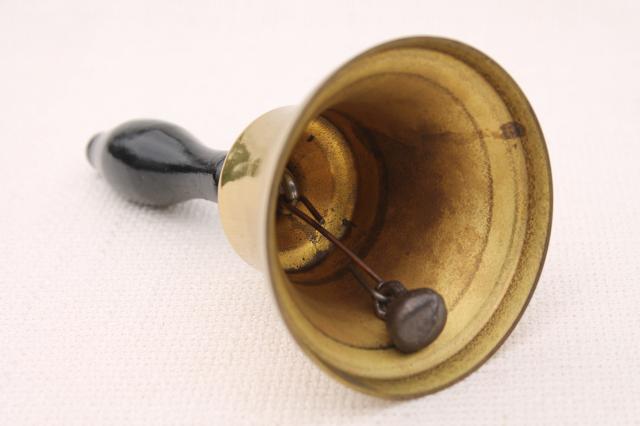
448, 187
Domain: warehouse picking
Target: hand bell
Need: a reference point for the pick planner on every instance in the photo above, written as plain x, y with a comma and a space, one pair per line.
401, 214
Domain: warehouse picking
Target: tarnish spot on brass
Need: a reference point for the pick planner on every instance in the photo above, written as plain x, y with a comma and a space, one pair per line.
512, 130
239, 164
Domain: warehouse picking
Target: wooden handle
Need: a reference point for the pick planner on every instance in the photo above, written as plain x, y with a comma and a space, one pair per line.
156, 163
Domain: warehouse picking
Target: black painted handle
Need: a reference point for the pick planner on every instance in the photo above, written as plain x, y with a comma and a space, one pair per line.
156, 163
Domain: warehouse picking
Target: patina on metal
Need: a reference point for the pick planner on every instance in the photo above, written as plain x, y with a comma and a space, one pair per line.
414, 318
424, 159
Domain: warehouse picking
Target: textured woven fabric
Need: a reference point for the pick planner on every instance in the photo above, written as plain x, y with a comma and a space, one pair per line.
115, 314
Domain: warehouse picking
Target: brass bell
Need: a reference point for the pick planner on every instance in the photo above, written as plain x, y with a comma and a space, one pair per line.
421, 158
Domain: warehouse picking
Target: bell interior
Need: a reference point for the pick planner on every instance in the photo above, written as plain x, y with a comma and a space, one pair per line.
425, 159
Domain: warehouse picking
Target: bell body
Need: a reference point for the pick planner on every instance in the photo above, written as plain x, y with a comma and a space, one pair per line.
452, 189
425, 158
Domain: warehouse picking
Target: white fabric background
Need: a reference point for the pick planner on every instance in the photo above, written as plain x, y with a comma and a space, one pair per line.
115, 314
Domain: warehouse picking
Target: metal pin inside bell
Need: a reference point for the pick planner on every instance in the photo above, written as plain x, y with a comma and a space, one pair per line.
401, 214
